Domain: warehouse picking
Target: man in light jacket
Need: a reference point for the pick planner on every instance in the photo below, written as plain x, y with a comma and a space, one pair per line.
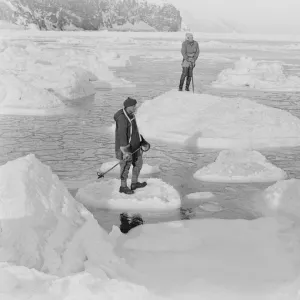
190, 52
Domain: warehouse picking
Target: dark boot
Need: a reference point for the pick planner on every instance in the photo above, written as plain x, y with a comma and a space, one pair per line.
181, 82
138, 185
188, 82
182, 78
126, 190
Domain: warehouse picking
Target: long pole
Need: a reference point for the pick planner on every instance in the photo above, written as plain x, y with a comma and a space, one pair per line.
193, 82
101, 174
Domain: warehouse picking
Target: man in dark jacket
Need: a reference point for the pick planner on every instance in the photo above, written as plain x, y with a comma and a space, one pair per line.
128, 145
190, 52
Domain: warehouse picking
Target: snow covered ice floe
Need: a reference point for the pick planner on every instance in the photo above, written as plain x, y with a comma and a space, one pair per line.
23, 283
19, 96
66, 73
257, 75
9, 26
240, 166
282, 198
51, 246
156, 196
146, 170
200, 195
215, 258
211, 207
216, 122
42, 226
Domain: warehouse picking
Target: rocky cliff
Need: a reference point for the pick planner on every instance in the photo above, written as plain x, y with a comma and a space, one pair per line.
89, 14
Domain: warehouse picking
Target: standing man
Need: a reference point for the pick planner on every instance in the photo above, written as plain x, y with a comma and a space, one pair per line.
129, 145
190, 52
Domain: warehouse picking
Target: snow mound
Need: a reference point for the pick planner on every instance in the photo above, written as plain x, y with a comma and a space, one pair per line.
42, 226
257, 75
240, 166
211, 207
9, 26
156, 196
292, 47
73, 83
146, 170
282, 198
121, 39
16, 94
65, 72
213, 44
214, 258
200, 195
216, 122
113, 59
85, 285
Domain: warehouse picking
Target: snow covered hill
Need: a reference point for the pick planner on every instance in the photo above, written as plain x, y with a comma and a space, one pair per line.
91, 14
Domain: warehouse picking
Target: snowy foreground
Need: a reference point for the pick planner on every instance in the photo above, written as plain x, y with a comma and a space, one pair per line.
240, 166
35, 79
251, 74
216, 122
53, 248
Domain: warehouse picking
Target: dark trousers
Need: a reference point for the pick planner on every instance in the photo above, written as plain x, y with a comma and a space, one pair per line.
186, 73
125, 167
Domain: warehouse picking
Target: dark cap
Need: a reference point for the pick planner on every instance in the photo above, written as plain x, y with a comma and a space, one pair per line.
129, 102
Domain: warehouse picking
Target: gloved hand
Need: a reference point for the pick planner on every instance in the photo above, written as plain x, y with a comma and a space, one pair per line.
192, 62
127, 155
145, 146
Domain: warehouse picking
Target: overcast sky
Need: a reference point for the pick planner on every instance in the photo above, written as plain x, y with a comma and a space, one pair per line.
268, 15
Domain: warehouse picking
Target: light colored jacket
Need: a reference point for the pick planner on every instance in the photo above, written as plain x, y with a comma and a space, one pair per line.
189, 50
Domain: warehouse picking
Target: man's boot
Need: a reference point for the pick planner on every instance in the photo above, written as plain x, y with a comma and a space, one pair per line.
188, 82
126, 190
182, 78
138, 185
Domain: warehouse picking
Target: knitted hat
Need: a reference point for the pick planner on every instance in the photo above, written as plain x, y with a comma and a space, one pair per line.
188, 34
129, 102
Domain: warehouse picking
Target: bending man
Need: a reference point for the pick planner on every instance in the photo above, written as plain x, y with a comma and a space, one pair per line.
190, 52
129, 145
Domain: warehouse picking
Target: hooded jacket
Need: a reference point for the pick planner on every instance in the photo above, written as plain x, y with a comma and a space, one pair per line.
126, 132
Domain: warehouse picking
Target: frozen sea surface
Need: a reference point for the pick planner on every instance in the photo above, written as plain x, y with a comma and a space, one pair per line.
76, 144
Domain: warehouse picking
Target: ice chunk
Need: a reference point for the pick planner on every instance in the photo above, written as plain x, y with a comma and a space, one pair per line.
4, 25
67, 66
42, 226
67, 83
211, 206
200, 195
113, 59
85, 285
282, 198
8, 281
156, 196
17, 95
114, 234
240, 166
216, 122
257, 75
146, 170
295, 46
216, 259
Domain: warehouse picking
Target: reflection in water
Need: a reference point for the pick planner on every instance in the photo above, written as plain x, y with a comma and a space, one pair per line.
127, 223
186, 213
